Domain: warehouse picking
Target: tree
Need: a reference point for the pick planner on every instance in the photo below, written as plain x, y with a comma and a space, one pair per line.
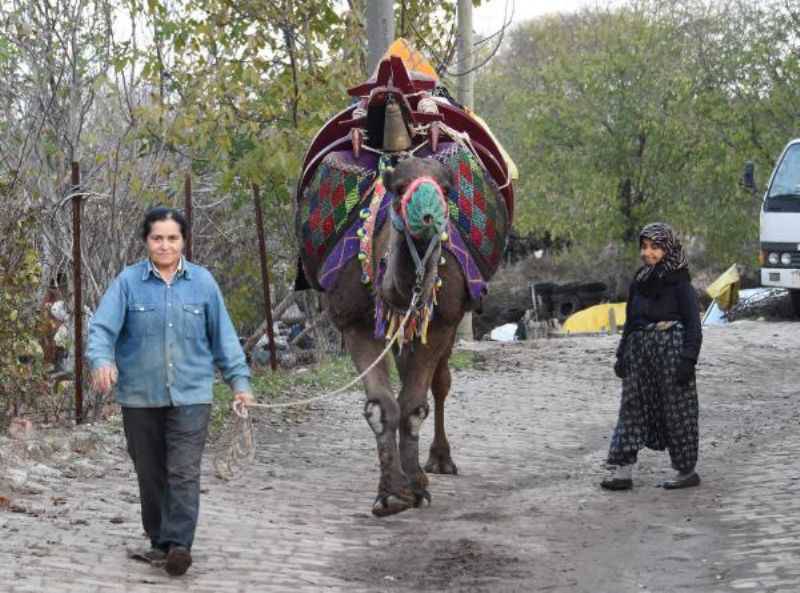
243, 87
625, 115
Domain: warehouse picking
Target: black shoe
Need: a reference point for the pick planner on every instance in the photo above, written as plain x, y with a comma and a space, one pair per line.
154, 556
693, 479
179, 559
617, 484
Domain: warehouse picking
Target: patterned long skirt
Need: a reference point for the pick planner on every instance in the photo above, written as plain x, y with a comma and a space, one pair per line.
655, 412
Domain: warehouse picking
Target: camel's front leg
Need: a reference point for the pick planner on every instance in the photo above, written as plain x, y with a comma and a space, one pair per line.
413, 412
417, 369
383, 416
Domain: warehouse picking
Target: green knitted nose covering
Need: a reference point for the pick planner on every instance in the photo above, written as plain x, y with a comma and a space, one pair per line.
424, 209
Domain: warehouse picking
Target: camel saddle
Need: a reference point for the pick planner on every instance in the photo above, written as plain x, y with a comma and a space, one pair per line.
341, 172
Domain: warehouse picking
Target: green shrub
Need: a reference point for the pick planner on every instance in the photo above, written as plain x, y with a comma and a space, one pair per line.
21, 377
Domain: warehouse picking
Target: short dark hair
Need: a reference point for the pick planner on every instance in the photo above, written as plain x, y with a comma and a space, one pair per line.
159, 213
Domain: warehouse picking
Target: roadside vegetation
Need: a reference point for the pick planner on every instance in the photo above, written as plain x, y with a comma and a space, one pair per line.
615, 116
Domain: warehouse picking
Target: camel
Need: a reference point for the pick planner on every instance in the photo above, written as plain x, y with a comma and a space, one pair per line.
382, 232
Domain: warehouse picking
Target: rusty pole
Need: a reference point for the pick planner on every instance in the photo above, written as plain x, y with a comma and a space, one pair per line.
187, 190
77, 304
262, 249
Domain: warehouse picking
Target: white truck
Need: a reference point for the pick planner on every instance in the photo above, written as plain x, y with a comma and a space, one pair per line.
779, 233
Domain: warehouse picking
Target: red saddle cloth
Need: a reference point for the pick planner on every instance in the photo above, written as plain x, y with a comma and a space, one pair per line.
392, 78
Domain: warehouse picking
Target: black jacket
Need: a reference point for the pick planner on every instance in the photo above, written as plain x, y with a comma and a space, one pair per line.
670, 298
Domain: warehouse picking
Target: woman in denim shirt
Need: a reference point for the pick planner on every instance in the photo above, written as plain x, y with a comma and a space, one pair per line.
158, 334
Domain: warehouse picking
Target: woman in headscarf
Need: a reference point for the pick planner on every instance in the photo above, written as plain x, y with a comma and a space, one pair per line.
655, 360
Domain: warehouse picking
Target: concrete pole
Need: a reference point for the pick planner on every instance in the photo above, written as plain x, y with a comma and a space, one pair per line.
465, 96
380, 30
464, 55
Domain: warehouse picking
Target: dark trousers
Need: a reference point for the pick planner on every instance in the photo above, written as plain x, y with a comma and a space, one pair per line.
166, 446
655, 411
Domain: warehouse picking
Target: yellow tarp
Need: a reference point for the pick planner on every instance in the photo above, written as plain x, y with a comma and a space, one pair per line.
595, 319
725, 289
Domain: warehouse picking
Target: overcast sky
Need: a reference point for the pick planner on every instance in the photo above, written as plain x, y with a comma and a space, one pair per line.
488, 18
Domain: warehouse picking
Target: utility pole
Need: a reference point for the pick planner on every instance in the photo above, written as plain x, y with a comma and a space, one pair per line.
464, 92
380, 30
465, 96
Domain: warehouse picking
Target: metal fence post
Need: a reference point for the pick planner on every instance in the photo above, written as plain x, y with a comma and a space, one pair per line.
78, 297
187, 190
262, 250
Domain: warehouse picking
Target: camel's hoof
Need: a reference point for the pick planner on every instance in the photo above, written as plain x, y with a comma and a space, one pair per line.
441, 466
390, 504
422, 498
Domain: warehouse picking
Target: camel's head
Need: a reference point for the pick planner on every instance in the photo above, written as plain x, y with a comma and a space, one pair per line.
420, 187
419, 222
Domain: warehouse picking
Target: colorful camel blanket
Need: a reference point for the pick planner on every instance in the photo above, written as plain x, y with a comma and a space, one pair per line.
341, 188
477, 208
330, 204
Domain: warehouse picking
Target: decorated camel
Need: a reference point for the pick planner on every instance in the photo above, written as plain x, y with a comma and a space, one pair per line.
403, 209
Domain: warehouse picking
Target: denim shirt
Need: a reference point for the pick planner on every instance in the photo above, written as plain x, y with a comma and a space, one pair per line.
166, 339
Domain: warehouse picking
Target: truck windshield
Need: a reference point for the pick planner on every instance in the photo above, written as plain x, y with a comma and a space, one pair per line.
786, 182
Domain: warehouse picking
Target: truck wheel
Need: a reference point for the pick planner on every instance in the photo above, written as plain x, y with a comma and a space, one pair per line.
795, 296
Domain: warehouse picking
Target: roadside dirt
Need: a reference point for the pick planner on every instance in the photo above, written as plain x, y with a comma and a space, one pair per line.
530, 428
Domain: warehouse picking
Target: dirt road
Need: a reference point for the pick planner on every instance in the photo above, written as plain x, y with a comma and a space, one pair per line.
529, 426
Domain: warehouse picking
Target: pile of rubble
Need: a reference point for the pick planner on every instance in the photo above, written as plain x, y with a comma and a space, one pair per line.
37, 461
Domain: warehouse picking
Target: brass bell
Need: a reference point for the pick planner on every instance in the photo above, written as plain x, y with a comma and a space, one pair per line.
395, 132
433, 135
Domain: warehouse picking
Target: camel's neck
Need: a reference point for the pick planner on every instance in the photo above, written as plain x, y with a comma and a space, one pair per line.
400, 277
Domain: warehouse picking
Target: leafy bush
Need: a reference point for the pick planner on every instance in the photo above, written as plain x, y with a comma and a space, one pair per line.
22, 377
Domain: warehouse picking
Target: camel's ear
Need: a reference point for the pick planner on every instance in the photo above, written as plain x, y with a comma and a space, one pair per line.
388, 177
449, 179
